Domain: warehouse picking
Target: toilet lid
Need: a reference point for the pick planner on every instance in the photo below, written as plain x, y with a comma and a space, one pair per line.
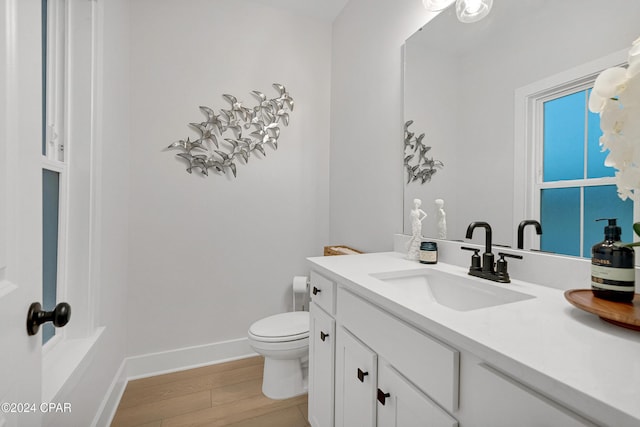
282, 327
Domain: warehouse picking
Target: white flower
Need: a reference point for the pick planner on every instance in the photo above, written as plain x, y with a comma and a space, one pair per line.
630, 97
612, 117
608, 84
616, 96
621, 152
628, 181
634, 59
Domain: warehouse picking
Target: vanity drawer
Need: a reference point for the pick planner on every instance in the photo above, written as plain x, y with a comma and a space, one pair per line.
429, 364
323, 292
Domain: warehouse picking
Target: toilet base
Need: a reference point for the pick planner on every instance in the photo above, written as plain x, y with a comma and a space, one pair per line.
283, 379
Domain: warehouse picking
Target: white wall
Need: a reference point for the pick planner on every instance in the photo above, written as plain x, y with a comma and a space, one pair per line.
367, 122
208, 256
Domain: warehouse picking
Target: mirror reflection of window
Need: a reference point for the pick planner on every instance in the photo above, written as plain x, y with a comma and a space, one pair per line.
576, 186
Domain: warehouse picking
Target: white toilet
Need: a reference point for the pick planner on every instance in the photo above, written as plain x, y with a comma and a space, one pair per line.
283, 340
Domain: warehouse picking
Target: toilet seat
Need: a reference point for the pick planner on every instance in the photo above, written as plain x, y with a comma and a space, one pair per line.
282, 327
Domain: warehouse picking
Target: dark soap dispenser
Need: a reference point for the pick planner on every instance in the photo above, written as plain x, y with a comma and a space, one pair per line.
612, 266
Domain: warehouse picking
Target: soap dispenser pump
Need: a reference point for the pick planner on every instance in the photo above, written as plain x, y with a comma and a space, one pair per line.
612, 266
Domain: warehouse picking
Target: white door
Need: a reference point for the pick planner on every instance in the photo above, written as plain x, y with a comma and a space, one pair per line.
20, 210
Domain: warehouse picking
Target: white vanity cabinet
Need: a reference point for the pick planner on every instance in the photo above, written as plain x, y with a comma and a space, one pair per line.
370, 392
393, 359
322, 333
351, 341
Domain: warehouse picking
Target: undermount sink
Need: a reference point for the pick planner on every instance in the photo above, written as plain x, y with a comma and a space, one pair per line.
456, 292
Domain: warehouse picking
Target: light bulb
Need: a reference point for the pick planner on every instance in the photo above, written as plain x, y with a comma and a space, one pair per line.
472, 10
473, 6
436, 5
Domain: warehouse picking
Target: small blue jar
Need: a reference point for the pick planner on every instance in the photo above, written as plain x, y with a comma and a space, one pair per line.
428, 253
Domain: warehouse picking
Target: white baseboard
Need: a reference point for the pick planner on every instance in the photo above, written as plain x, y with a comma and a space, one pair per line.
109, 405
164, 362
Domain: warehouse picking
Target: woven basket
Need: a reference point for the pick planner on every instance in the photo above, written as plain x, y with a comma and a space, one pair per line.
340, 250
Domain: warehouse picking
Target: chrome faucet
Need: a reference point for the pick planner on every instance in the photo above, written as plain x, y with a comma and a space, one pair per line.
521, 227
487, 269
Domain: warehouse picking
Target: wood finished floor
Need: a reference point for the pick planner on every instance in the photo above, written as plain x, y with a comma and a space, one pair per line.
227, 394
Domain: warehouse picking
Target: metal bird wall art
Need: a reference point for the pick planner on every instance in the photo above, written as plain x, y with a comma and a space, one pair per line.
221, 145
419, 167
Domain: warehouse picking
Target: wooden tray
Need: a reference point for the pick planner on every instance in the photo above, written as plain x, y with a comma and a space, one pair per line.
625, 314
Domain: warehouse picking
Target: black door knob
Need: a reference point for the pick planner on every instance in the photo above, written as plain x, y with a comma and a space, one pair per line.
323, 336
316, 290
36, 316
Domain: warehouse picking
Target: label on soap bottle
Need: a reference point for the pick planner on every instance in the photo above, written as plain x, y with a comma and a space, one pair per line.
613, 279
613, 272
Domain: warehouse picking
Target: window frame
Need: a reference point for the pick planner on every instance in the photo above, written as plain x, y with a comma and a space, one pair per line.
529, 133
55, 135
81, 116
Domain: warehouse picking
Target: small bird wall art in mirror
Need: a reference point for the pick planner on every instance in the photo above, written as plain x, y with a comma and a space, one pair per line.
229, 137
418, 165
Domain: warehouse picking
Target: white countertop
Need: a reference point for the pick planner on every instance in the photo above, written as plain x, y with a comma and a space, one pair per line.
545, 342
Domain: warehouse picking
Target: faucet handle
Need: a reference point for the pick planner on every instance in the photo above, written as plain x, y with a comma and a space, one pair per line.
501, 266
504, 254
475, 258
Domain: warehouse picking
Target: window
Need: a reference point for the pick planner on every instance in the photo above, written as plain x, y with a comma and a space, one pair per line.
71, 193
560, 178
575, 188
54, 168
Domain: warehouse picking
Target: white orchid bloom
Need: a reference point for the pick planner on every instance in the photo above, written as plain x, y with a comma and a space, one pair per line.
628, 181
634, 59
630, 97
608, 85
621, 152
612, 117
631, 124
616, 96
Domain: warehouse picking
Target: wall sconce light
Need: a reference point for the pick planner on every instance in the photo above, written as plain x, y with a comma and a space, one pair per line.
467, 11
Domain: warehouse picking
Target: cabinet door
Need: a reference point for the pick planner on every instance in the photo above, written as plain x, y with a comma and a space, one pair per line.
492, 398
355, 382
401, 404
322, 328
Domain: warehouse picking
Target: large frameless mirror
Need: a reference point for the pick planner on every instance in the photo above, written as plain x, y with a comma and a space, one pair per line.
460, 86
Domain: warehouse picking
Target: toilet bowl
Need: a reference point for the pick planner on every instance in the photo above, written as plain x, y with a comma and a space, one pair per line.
283, 340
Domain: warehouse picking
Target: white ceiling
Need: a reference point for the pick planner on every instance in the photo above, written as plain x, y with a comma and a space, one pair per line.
322, 9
